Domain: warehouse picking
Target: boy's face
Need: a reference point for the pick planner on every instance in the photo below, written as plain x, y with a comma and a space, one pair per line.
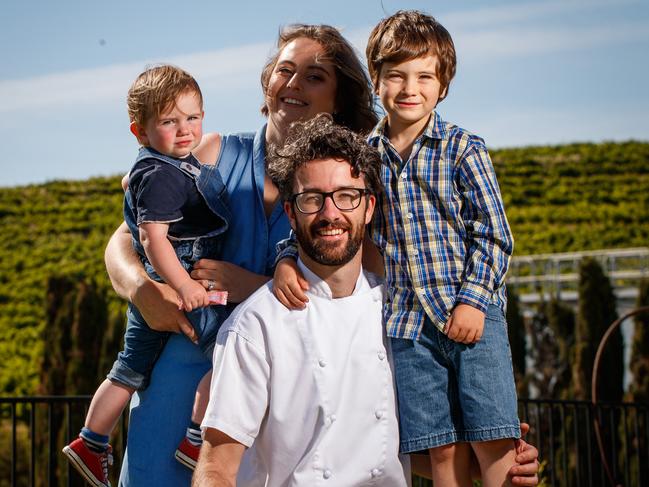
177, 130
409, 90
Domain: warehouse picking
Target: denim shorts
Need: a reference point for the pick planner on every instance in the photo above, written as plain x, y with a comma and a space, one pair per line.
143, 346
450, 392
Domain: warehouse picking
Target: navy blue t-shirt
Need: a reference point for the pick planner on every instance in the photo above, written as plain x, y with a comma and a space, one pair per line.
164, 194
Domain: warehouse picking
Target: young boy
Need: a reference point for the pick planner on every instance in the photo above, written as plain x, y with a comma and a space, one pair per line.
446, 244
174, 209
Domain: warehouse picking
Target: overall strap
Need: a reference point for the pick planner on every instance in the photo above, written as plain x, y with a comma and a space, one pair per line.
185, 167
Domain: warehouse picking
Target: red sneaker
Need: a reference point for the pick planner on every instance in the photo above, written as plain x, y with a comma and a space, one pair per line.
91, 465
187, 454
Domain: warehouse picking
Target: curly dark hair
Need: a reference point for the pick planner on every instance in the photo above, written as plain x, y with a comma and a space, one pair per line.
321, 138
354, 100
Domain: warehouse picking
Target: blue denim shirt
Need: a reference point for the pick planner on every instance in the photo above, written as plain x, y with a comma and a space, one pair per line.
160, 414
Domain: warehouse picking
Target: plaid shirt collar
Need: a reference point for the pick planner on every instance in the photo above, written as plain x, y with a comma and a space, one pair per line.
435, 129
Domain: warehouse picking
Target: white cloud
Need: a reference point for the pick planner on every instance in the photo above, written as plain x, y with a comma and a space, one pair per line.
520, 41
231, 67
480, 34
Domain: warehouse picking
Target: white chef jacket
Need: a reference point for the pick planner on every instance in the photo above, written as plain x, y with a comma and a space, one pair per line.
311, 391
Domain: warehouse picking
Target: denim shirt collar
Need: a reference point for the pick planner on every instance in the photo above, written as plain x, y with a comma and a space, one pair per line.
259, 163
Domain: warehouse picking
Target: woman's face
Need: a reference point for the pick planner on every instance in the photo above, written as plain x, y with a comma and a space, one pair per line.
301, 84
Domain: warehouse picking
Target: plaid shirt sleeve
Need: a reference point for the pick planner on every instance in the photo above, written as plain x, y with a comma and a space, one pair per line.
286, 248
490, 239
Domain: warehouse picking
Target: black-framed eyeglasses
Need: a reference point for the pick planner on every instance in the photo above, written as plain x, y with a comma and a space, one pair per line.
345, 199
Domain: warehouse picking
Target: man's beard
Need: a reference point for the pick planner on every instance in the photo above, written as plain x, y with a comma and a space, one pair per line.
329, 253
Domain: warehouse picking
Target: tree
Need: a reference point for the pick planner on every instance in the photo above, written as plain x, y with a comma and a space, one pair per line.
639, 388
77, 320
596, 312
516, 331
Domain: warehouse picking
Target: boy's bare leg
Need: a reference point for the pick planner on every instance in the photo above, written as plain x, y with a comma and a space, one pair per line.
495, 458
450, 464
106, 407
202, 398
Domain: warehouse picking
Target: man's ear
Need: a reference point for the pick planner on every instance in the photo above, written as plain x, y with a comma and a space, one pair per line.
369, 209
288, 209
139, 133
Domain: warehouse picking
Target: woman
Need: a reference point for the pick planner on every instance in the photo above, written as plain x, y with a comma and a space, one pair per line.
315, 70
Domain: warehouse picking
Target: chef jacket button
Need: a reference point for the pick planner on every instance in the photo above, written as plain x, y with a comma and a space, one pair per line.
375, 472
322, 362
378, 413
326, 474
381, 355
332, 417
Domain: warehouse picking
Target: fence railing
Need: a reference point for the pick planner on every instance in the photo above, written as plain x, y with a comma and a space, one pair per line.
34, 429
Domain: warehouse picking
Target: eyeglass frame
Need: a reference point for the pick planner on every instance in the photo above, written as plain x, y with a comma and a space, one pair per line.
330, 195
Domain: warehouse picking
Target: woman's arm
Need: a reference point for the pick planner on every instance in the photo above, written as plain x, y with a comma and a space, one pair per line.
157, 302
208, 150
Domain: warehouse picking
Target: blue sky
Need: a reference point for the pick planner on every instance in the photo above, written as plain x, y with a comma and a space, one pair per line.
529, 72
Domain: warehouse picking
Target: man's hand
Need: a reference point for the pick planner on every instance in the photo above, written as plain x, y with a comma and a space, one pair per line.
526, 472
289, 284
465, 324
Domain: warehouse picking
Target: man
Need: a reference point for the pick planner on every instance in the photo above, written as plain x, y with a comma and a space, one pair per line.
310, 392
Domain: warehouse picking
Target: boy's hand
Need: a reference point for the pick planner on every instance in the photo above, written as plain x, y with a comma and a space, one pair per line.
192, 295
465, 324
289, 284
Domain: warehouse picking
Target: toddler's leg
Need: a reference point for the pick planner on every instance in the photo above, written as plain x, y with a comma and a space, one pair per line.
106, 407
495, 458
451, 464
202, 398
90, 454
189, 448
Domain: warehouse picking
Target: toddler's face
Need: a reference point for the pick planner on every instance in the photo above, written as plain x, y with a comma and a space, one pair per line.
409, 90
177, 130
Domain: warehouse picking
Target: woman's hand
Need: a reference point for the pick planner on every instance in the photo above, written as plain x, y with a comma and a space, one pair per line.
237, 281
289, 284
157, 302
525, 473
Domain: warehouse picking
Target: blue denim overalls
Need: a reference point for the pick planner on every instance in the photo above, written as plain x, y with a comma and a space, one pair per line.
142, 345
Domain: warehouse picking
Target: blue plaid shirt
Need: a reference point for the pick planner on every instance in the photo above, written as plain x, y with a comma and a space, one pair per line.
441, 227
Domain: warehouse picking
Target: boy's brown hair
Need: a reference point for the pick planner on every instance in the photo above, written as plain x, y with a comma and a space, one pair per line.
406, 35
156, 89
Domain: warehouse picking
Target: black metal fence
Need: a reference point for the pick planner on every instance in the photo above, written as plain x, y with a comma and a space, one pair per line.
34, 429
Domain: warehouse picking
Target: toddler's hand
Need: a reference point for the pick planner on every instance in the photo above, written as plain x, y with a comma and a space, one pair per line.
289, 284
192, 295
465, 324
